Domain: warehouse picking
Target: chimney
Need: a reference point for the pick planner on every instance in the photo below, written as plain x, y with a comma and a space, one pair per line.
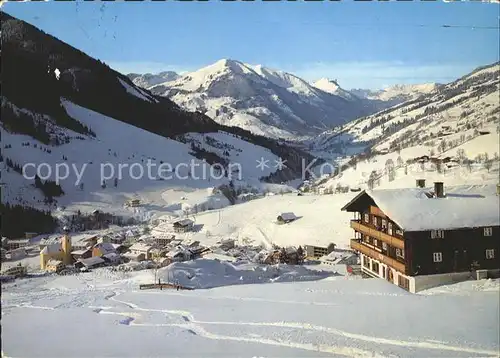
420, 183
438, 189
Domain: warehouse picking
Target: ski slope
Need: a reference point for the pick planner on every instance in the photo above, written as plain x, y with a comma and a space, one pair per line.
333, 317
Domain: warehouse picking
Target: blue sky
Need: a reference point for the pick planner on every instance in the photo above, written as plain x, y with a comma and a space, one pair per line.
367, 45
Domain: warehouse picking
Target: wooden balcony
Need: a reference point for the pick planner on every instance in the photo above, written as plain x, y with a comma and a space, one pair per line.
379, 235
358, 246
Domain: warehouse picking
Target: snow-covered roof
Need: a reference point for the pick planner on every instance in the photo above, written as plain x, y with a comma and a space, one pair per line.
54, 262
140, 247
287, 216
105, 247
91, 261
462, 207
132, 255
111, 256
51, 249
179, 250
184, 222
79, 252
163, 235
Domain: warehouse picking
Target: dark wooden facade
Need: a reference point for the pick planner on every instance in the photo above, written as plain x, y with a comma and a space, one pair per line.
416, 253
461, 250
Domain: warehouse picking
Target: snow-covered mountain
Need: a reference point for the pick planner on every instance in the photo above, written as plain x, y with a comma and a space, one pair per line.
331, 86
67, 112
463, 114
148, 80
398, 93
261, 100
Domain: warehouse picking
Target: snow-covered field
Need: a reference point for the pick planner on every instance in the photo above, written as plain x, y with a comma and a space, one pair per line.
104, 314
320, 221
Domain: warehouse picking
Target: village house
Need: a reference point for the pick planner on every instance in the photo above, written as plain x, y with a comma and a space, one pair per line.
179, 254
285, 218
419, 238
91, 262
226, 244
163, 239
315, 252
81, 254
183, 225
133, 203
157, 253
175, 243
140, 249
190, 243
111, 258
15, 271
103, 248
17, 244
54, 266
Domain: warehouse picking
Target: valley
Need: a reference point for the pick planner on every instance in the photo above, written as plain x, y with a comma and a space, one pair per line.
241, 204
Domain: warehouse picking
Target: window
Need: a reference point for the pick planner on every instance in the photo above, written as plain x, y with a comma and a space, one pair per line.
438, 257
375, 221
488, 231
403, 282
384, 223
366, 262
437, 234
375, 267
366, 239
375, 242
384, 246
389, 229
367, 218
490, 254
400, 253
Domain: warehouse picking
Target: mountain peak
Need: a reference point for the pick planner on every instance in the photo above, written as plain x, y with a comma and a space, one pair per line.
326, 84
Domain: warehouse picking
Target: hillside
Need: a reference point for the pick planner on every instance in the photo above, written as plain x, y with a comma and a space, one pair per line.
67, 110
262, 100
398, 93
441, 121
148, 80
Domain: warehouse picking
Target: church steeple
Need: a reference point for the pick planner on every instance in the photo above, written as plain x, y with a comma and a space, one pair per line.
66, 247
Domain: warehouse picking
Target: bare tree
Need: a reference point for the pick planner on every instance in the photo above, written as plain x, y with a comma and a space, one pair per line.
468, 164
399, 161
461, 155
439, 166
371, 179
488, 164
389, 167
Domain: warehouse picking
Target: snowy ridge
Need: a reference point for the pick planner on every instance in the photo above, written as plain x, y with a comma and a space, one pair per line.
332, 87
262, 100
398, 93
454, 113
148, 80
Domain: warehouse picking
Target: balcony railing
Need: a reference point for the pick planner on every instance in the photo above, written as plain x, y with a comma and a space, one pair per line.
358, 246
379, 235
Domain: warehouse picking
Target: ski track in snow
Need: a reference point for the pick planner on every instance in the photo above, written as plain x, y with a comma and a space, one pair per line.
195, 327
